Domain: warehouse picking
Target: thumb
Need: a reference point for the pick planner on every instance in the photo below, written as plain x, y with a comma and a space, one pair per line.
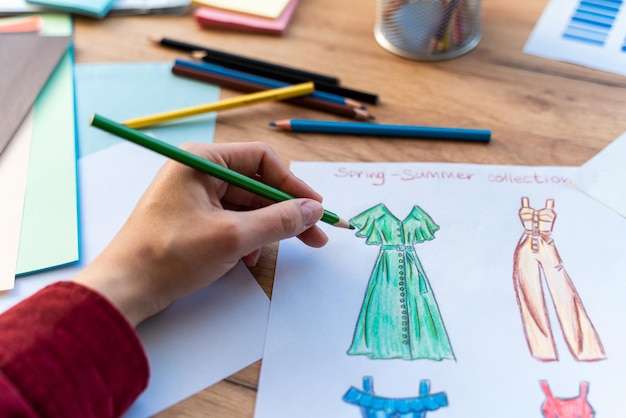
279, 221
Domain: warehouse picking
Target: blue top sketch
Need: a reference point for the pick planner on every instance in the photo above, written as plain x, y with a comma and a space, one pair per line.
373, 406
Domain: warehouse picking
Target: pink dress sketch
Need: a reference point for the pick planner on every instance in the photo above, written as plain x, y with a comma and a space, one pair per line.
577, 407
536, 256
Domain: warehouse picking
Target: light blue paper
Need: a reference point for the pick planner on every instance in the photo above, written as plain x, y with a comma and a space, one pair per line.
93, 8
122, 91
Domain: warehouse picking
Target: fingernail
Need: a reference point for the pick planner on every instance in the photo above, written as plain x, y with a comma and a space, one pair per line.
311, 211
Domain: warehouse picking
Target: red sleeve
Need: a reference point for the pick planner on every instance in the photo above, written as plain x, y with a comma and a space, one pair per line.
67, 352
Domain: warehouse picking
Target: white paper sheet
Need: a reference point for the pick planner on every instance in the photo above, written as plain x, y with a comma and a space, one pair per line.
318, 294
196, 342
603, 177
591, 33
13, 176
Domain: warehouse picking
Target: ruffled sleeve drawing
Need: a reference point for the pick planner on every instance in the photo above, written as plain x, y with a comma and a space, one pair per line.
367, 225
399, 317
419, 227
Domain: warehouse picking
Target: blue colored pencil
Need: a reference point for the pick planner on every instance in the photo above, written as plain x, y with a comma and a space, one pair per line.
378, 129
264, 81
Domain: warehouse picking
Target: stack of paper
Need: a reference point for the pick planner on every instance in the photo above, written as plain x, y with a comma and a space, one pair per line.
119, 7
271, 17
39, 211
92, 8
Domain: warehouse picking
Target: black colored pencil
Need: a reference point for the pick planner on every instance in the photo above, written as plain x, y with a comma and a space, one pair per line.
278, 72
245, 63
290, 78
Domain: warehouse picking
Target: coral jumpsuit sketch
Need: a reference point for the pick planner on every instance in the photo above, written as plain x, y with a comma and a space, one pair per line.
399, 317
577, 407
536, 255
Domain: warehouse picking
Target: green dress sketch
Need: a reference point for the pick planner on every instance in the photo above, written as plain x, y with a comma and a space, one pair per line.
399, 317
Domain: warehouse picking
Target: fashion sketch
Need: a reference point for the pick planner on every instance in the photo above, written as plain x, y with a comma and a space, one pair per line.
536, 257
373, 406
399, 317
576, 407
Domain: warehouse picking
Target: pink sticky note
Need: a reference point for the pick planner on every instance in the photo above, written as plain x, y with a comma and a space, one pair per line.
211, 18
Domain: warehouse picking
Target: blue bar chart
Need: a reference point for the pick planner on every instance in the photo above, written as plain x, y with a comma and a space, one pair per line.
590, 33
592, 21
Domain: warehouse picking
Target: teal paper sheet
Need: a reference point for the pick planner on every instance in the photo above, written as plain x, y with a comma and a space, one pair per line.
93, 8
122, 91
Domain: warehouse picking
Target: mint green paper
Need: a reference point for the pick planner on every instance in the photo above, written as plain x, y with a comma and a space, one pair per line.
49, 235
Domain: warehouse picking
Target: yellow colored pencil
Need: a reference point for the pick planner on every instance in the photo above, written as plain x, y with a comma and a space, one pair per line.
243, 100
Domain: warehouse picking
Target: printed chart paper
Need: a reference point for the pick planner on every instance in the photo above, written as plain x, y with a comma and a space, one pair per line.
464, 291
591, 33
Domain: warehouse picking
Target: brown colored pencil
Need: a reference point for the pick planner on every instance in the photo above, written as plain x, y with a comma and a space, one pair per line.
244, 86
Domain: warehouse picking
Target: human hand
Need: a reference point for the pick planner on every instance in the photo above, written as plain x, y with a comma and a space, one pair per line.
189, 229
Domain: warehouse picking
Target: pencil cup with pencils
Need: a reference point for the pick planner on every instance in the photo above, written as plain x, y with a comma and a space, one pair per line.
428, 30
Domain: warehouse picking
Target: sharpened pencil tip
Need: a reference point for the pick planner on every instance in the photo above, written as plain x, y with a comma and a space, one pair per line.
197, 54
92, 118
272, 123
155, 39
343, 224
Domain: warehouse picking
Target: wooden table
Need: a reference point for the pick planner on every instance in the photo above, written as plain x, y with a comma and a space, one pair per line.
541, 112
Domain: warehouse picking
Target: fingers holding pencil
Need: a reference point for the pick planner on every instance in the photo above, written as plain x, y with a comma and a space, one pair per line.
205, 166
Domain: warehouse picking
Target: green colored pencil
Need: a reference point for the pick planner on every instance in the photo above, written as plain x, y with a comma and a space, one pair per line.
204, 166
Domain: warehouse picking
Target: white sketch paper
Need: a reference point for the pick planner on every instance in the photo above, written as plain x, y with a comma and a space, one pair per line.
318, 294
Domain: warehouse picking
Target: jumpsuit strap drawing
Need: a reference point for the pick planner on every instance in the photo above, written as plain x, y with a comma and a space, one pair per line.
525, 203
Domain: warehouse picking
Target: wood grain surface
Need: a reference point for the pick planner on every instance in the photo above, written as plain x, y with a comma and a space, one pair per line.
541, 112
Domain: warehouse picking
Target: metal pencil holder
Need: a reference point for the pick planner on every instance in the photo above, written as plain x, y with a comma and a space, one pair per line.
428, 30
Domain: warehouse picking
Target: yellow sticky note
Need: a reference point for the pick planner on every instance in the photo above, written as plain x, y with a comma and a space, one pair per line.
266, 8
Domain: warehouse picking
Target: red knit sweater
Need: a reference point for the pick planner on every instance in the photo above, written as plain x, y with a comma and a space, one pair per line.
67, 352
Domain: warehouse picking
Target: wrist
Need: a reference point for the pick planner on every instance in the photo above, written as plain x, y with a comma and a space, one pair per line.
120, 290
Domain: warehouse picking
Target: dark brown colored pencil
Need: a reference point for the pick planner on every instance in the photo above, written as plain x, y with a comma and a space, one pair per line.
248, 87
